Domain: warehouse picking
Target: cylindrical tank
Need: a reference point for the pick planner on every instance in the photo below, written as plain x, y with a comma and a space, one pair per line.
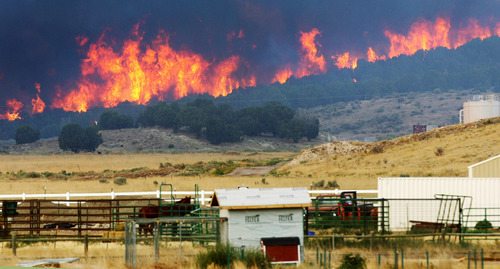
482, 107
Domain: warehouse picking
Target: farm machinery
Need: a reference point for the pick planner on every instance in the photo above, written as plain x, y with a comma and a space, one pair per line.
344, 212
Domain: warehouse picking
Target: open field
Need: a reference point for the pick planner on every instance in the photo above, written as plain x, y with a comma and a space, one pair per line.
443, 152
98, 163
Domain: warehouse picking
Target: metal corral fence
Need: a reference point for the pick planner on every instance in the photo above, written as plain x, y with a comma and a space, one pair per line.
329, 213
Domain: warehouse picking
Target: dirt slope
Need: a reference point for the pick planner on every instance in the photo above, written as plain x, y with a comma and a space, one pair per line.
158, 140
444, 152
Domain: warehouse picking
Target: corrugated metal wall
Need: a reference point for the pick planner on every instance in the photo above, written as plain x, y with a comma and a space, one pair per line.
488, 168
485, 192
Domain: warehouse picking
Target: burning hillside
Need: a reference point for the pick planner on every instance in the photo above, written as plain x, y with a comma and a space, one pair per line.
187, 52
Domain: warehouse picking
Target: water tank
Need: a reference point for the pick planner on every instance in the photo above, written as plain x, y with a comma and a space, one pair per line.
481, 107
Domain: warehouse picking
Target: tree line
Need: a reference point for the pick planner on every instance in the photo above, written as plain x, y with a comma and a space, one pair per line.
221, 123
201, 117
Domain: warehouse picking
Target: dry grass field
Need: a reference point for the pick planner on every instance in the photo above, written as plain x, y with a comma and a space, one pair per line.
445, 152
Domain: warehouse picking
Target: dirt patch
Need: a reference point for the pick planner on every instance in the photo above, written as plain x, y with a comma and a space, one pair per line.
250, 171
253, 171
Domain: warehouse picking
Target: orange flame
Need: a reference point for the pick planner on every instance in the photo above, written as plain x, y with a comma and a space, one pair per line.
472, 31
371, 56
38, 103
426, 35
109, 78
13, 110
423, 35
310, 61
345, 61
282, 76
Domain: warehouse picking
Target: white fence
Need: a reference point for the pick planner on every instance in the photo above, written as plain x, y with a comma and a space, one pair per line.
205, 196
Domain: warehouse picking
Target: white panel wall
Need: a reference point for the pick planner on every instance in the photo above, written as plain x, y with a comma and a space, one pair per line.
485, 192
247, 227
476, 110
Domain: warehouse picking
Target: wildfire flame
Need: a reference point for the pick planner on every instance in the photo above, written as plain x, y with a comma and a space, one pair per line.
371, 56
38, 103
282, 75
138, 72
427, 35
134, 75
13, 110
345, 61
310, 61
423, 35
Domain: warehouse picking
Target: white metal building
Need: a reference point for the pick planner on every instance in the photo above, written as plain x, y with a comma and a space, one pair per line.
483, 193
481, 107
257, 213
487, 168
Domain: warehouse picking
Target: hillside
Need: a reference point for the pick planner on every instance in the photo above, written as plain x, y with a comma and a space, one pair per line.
443, 152
392, 116
160, 140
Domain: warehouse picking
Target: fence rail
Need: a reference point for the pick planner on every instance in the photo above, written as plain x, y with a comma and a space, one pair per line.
205, 196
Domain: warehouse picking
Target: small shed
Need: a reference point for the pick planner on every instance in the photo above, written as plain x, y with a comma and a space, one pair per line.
486, 168
254, 214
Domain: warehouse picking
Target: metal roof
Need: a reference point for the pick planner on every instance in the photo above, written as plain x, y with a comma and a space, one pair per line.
246, 198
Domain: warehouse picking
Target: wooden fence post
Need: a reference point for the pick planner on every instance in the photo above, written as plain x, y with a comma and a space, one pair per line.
443, 236
14, 245
86, 245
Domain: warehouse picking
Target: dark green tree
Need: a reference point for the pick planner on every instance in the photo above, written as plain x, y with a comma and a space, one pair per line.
92, 139
274, 115
111, 120
311, 128
75, 138
26, 134
72, 137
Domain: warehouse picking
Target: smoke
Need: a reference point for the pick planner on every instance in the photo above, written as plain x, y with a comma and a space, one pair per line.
41, 40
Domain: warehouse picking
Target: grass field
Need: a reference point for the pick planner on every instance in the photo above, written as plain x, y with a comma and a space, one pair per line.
99, 163
440, 154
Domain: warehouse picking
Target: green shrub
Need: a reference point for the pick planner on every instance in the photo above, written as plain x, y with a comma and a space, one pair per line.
254, 258
120, 181
332, 184
439, 152
319, 184
33, 175
377, 149
483, 225
47, 174
26, 134
218, 256
274, 161
352, 262
103, 180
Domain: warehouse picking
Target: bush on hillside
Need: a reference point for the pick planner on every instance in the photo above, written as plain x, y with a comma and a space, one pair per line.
75, 138
26, 134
